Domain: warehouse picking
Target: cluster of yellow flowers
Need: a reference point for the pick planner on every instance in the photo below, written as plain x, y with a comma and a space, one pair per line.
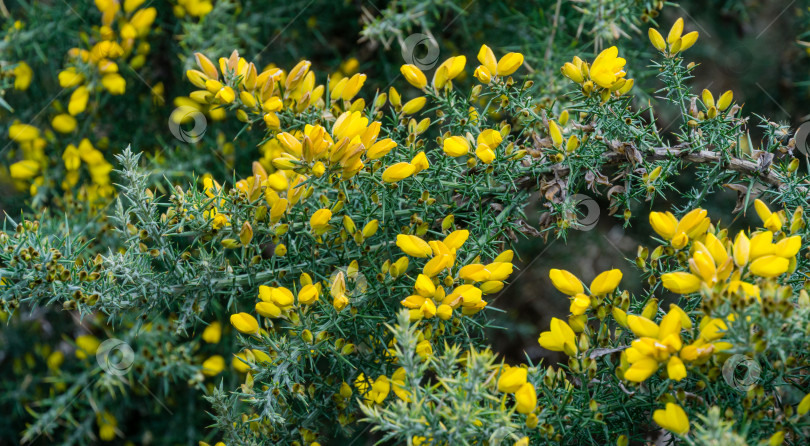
194, 8
514, 380
718, 268
430, 298
676, 40
120, 38
720, 265
605, 75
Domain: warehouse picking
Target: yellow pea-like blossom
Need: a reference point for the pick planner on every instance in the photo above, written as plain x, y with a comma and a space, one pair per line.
212, 333
606, 282
456, 146
679, 232
22, 76
213, 366
414, 75
511, 379
448, 70
114, 83
64, 123
673, 418
560, 338
414, 105
78, 100
398, 172
526, 398
413, 246
608, 68
244, 323
566, 282
24, 170
308, 294
490, 66
319, 221
86, 346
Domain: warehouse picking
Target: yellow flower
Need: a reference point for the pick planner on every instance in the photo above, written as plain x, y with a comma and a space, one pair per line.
579, 304
226, 94
483, 74
448, 70
769, 266
560, 338
212, 333
555, 133
444, 312
320, 220
268, 309
106, 426
573, 72
213, 366
512, 379
566, 282
398, 172
22, 132
24, 170
70, 78
456, 146
370, 228
63, 123
353, 86
414, 75
606, 282
308, 294
725, 100
22, 76
114, 83
78, 100
678, 232
657, 39
526, 398
420, 162
413, 246
804, 405
485, 153
770, 220
86, 346
607, 68
673, 419
508, 64
424, 349
245, 323
414, 105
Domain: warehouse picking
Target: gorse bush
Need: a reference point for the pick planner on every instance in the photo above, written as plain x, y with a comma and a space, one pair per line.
296, 256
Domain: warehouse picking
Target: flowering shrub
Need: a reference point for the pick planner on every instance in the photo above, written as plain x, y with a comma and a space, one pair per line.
339, 282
